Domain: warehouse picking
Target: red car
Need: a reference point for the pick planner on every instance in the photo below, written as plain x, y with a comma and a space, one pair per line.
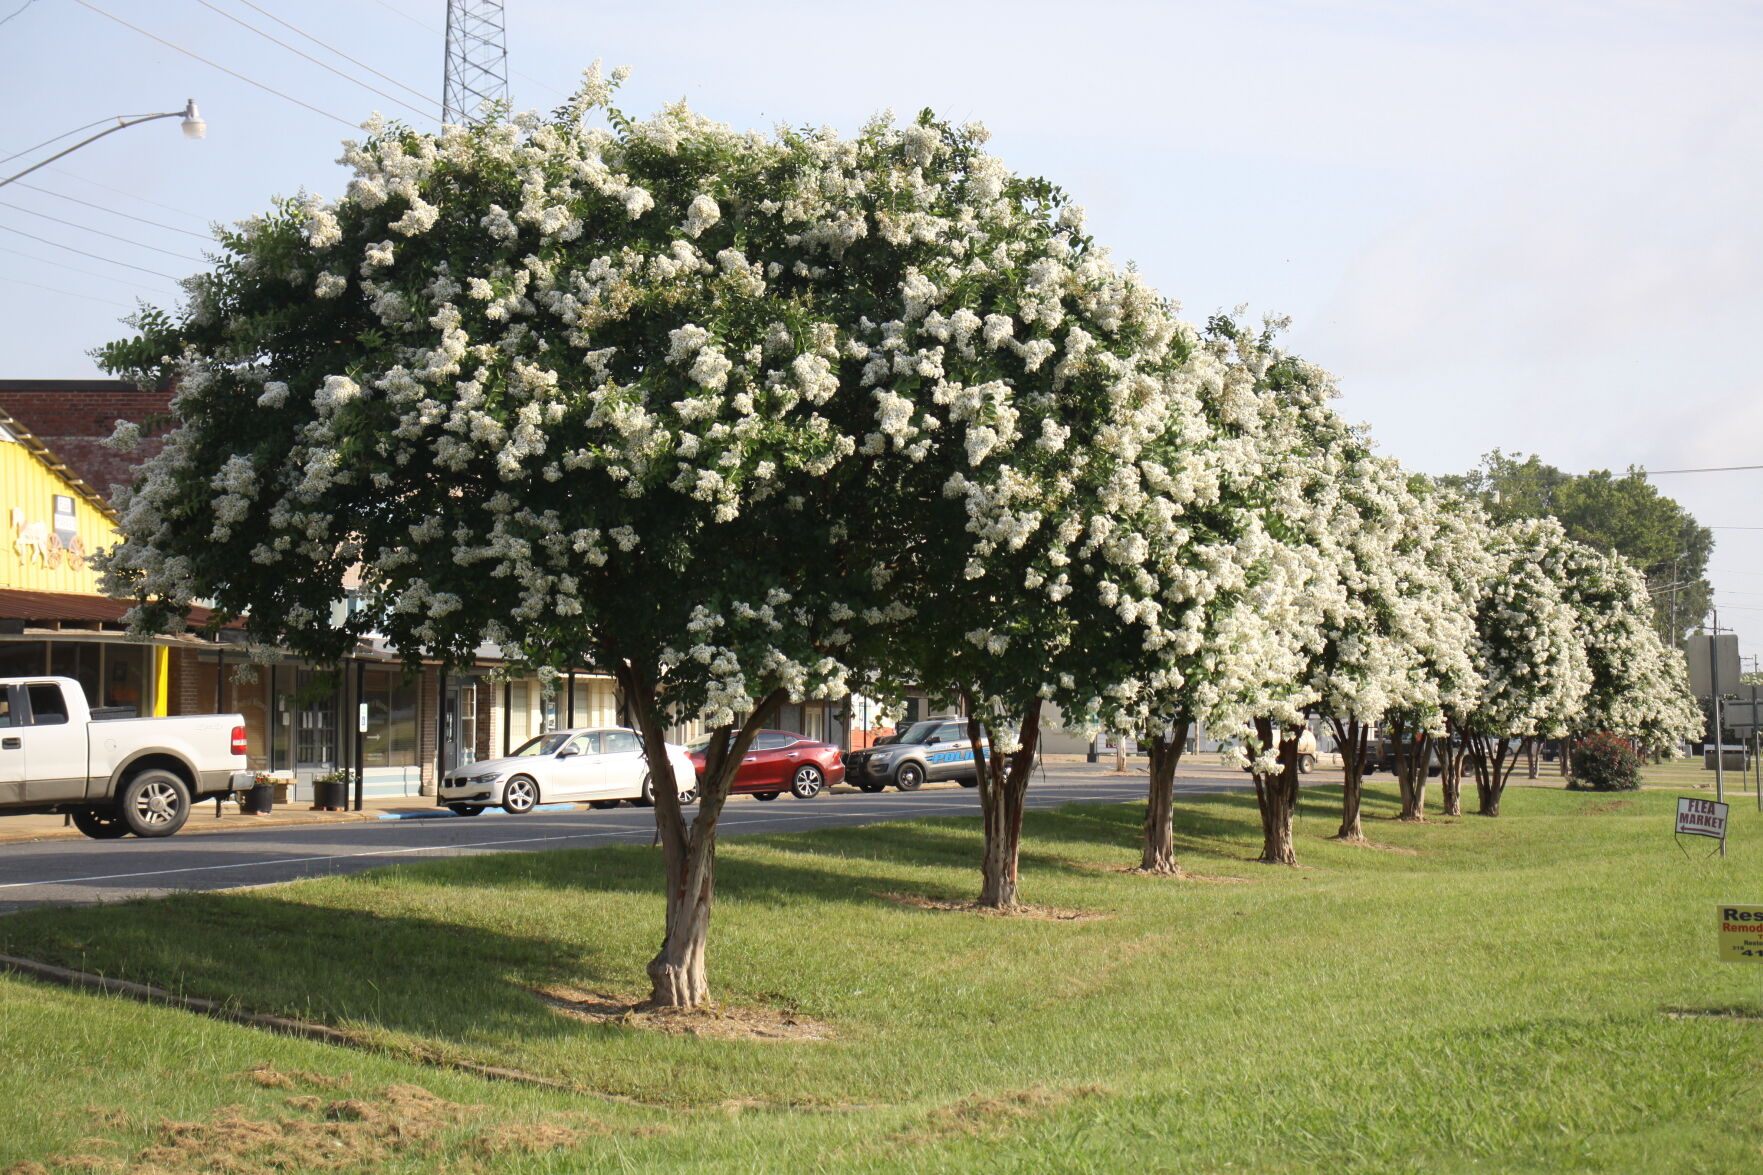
780, 762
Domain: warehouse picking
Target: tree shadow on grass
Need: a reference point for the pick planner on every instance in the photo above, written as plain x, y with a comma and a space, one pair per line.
259, 951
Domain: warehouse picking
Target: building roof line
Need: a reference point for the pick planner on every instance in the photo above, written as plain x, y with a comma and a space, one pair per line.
56, 465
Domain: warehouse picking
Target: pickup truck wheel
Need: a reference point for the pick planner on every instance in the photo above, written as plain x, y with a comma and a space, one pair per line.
1306, 764
910, 777
99, 824
519, 795
602, 805
969, 781
766, 795
466, 809
154, 803
870, 787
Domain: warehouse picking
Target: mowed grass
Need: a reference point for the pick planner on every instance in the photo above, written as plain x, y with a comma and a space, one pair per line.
1536, 992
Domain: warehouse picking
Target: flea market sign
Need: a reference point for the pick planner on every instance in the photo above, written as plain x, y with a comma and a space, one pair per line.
1701, 817
1741, 934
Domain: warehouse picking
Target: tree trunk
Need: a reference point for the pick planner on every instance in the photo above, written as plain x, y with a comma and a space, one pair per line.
1451, 771
1001, 795
1533, 749
1277, 797
1489, 757
1165, 749
1350, 737
1412, 781
677, 974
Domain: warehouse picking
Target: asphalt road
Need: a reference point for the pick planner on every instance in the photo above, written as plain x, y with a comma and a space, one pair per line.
72, 872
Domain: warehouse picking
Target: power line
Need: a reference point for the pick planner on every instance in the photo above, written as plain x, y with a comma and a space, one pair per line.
63, 135
66, 268
123, 192
170, 228
6, 228
16, 11
99, 231
321, 64
231, 73
1709, 469
57, 290
370, 69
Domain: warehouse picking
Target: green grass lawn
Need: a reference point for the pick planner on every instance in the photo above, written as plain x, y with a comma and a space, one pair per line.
1537, 992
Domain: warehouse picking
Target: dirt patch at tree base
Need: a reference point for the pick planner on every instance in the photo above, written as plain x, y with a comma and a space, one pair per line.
1742, 1014
1363, 842
1180, 875
1033, 913
401, 1124
719, 1022
994, 1115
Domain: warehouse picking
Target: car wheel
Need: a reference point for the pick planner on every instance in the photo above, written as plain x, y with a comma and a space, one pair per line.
1306, 764
646, 794
807, 782
99, 823
465, 809
767, 795
970, 781
871, 787
154, 803
910, 777
602, 805
520, 795
689, 796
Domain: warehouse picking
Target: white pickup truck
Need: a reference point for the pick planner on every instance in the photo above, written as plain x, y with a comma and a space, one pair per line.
112, 775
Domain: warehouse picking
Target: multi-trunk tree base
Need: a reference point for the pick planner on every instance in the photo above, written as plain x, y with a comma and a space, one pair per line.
1165, 750
1277, 797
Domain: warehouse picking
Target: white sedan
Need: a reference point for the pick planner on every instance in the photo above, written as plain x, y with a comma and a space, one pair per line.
602, 766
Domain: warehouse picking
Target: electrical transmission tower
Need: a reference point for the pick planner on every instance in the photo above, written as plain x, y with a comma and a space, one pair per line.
476, 69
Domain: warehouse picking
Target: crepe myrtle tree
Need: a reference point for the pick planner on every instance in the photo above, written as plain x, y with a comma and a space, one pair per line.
1453, 541
1528, 654
1307, 456
1034, 421
1215, 574
632, 394
1639, 688
1398, 633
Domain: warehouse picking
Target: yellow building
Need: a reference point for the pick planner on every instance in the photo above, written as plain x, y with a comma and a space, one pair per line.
53, 619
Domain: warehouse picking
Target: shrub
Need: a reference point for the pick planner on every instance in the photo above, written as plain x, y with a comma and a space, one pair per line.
1604, 762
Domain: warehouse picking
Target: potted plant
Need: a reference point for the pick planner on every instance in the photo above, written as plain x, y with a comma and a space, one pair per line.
330, 792
258, 799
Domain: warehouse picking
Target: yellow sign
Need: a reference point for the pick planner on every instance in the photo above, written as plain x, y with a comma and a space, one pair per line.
1741, 934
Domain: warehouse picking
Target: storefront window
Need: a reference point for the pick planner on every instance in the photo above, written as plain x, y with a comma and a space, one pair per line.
125, 677
390, 740
22, 658
80, 661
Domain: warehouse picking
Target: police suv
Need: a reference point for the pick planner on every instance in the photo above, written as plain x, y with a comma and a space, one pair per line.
935, 749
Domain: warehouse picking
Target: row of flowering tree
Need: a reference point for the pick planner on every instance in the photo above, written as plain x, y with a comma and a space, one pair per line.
743, 418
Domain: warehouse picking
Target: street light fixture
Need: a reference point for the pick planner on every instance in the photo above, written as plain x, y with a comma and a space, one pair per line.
192, 122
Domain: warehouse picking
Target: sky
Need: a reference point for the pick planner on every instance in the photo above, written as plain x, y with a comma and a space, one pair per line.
1527, 226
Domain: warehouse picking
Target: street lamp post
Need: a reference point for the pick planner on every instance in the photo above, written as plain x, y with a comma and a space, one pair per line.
194, 128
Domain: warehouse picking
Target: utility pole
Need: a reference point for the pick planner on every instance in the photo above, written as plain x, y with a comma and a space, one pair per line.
475, 71
1719, 741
